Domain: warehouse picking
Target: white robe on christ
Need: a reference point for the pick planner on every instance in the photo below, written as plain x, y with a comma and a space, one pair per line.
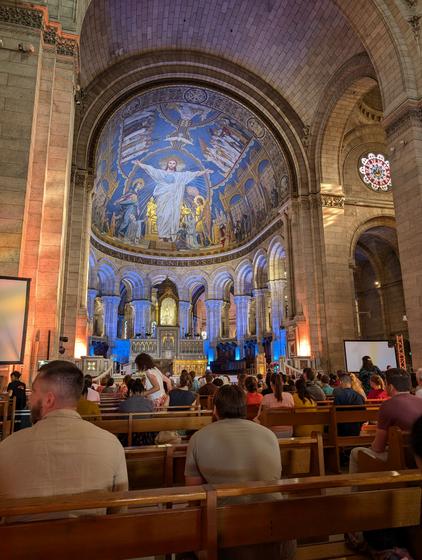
168, 194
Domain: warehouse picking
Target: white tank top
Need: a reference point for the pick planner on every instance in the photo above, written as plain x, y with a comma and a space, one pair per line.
157, 374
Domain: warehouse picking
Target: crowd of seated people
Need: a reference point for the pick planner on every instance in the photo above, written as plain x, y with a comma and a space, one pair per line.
42, 460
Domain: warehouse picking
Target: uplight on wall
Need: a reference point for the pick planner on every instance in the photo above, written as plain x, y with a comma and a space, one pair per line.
304, 347
80, 349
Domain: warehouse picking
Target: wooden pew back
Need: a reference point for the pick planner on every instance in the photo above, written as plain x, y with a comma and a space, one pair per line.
148, 529
159, 466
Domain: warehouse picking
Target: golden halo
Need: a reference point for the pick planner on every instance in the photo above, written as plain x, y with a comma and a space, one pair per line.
198, 198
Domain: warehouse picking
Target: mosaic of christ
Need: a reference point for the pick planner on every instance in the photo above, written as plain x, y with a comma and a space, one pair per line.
181, 169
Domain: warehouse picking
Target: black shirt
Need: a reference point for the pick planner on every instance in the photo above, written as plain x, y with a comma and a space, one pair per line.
180, 397
18, 389
347, 396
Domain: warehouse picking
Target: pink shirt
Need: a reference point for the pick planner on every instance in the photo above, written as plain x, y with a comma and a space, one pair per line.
287, 401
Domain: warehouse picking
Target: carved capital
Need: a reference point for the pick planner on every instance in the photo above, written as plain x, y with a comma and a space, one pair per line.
332, 201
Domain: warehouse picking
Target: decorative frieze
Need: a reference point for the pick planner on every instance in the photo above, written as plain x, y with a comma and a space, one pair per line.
332, 201
22, 16
65, 46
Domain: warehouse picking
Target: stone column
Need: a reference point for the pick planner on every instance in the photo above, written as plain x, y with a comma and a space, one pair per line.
111, 307
92, 294
214, 308
404, 138
184, 317
242, 321
225, 320
259, 295
277, 288
142, 322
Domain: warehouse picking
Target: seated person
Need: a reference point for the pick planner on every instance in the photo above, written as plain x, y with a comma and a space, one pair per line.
303, 400
312, 386
253, 454
93, 394
377, 388
135, 401
278, 399
325, 385
51, 457
252, 395
209, 388
182, 396
345, 395
110, 386
401, 410
218, 382
86, 407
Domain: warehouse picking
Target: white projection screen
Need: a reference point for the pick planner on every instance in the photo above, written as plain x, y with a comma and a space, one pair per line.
382, 355
14, 299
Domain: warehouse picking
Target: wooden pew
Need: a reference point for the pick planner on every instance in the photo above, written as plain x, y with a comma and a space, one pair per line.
159, 466
205, 523
153, 422
329, 417
399, 454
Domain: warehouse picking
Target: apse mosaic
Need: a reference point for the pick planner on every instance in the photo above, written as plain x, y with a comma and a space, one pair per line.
374, 170
185, 170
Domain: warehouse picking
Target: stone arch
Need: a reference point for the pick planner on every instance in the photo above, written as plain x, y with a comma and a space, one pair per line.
260, 269
350, 82
191, 284
107, 277
134, 281
276, 259
244, 278
378, 221
219, 283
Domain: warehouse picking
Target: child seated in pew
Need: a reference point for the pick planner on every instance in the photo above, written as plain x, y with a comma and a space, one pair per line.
137, 402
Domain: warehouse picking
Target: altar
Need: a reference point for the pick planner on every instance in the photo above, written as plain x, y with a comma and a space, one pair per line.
184, 353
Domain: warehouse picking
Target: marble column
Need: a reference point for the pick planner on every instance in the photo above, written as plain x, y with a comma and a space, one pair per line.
277, 288
184, 317
214, 309
259, 295
242, 321
111, 308
92, 294
142, 322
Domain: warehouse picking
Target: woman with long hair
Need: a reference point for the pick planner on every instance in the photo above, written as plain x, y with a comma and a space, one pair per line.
303, 400
278, 399
154, 385
182, 395
357, 385
252, 395
377, 388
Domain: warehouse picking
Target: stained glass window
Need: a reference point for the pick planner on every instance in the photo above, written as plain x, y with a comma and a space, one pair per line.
374, 170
